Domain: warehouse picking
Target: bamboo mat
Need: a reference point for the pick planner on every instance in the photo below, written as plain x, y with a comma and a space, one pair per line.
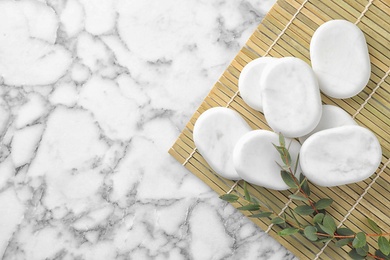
286, 31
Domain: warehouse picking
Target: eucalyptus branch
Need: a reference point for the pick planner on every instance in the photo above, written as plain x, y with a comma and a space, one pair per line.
322, 227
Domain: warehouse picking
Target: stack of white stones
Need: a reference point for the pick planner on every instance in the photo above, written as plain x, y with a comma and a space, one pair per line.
335, 150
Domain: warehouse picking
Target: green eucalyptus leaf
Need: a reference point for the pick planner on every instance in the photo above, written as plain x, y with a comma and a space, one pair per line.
288, 231
229, 197
379, 254
354, 255
282, 141
261, 215
323, 203
327, 230
297, 197
301, 178
359, 240
310, 233
280, 149
284, 154
277, 220
374, 226
329, 223
287, 158
345, 232
362, 250
305, 187
250, 207
288, 179
247, 196
322, 211
324, 240
283, 167
296, 165
255, 201
318, 218
384, 245
317, 225
304, 210
343, 242
294, 217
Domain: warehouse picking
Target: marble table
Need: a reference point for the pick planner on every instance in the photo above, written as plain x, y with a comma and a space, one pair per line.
92, 95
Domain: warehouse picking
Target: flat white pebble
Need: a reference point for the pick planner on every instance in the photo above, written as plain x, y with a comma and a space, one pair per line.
341, 155
249, 82
340, 59
332, 116
216, 133
255, 159
291, 97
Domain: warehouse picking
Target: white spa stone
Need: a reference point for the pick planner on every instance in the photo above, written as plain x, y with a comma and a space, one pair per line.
216, 133
255, 158
249, 82
291, 97
340, 59
332, 117
340, 155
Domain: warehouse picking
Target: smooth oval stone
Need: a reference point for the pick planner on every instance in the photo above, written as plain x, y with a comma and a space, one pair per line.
216, 132
339, 57
291, 97
332, 117
340, 155
249, 82
255, 159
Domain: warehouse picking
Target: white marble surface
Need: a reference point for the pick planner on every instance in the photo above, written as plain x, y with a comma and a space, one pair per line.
92, 95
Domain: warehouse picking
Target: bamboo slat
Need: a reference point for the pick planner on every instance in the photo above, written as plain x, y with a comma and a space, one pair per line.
286, 31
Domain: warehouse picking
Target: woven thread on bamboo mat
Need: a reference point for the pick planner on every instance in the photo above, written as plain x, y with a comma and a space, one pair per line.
289, 34
372, 93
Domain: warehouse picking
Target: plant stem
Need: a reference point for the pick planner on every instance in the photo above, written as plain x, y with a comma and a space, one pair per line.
311, 202
290, 171
232, 188
375, 257
335, 235
351, 236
